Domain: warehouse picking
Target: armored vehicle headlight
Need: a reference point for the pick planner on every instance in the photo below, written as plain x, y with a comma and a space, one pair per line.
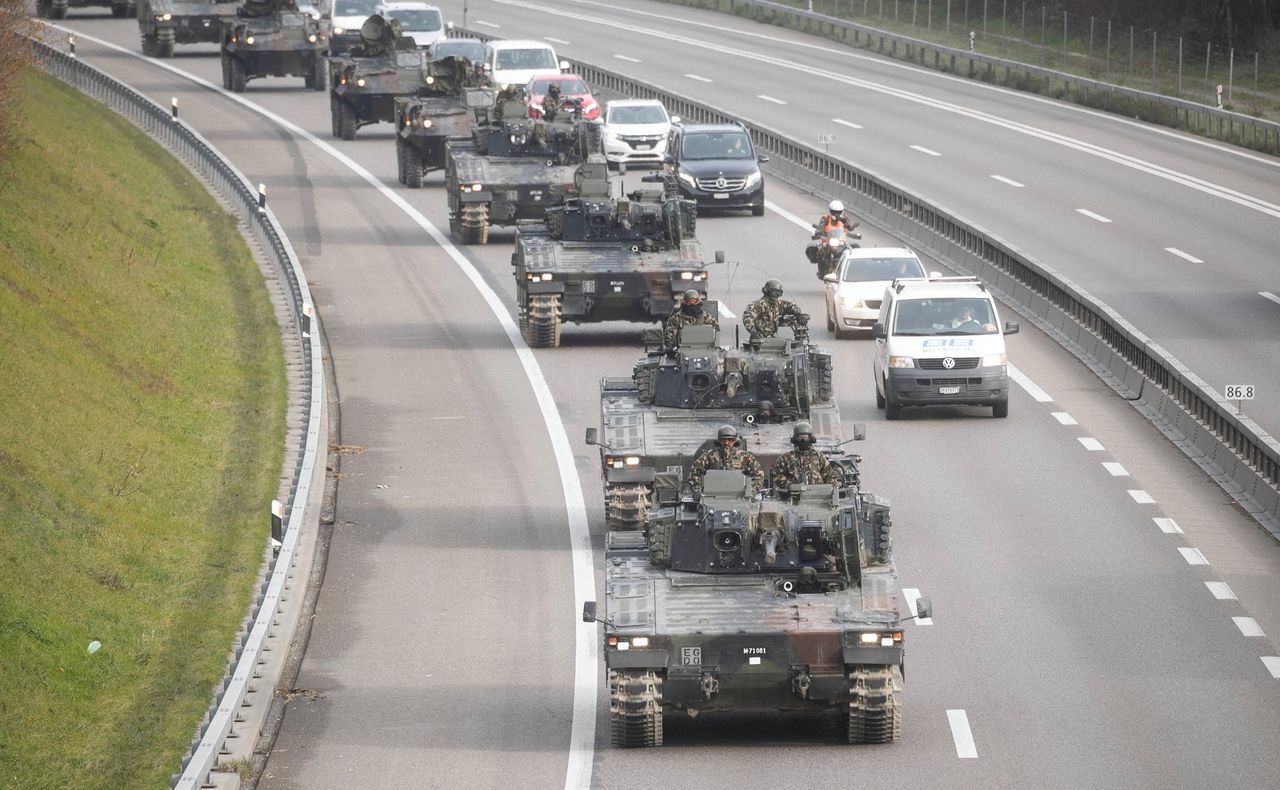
359, 82
535, 276
753, 179
312, 38
476, 187
901, 362
163, 17
337, 31
688, 179
430, 80
869, 638
633, 460
620, 644
686, 275
547, 276
426, 123
991, 360
248, 39
640, 641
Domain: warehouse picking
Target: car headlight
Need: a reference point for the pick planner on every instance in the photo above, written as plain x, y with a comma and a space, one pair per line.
337, 31
992, 360
687, 178
901, 362
359, 82
609, 134
848, 301
753, 179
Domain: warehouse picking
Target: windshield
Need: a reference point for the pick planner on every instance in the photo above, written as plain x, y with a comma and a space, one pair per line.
859, 270
955, 316
417, 20
716, 145
573, 86
525, 59
354, 7
471, 50
648, 113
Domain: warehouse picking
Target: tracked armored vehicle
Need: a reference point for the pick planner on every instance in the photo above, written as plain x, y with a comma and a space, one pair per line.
509, 168
365, 82
57, 9
599, 258
438, 113
654, 423
165, 23
735, 602
271, 38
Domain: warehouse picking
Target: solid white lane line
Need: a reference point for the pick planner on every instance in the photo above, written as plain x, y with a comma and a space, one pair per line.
912, 595
1248, 626
924, 150
582, 732
1092, 445
1142, 497
1009, 181
1168, 526
843, 122
962, 735
699, 79
1091, 215
1272, 663
1064, 418
1186, 256
1269, 295
769, 98
488, 24
1220, 591
560, 41
1030, 386
726, 312
1193, 556
788, 216
1115, 469
627, 58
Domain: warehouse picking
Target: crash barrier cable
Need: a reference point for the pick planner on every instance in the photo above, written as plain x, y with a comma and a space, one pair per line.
161, 123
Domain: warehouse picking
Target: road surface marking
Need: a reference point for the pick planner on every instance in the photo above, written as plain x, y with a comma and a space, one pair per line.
1248, 626
488, 24
1009, 181
726, 312
843, 122
1193, 556
962, 735
1220, 591
1186, 256
1115, 469
1090, 444
912, 595
1029, 385
699, 79
1141, 497
627, 58
1168, 526
1269, 295
788, 216
1272, 663
924, 150
1091, 215
1064, 418
769, 98
556, 40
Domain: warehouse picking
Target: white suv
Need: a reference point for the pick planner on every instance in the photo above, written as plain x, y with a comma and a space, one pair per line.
855, 288
418, 21
635, 130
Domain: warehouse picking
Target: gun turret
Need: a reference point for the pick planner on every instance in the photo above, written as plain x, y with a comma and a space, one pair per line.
379, 36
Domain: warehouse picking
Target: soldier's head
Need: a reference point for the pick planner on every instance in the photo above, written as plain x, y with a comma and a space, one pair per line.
553, 89
772, 289
802, 436
691, 302
836, 209
727, 436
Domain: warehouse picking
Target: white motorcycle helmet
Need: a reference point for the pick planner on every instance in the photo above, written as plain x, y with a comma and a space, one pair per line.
835, 208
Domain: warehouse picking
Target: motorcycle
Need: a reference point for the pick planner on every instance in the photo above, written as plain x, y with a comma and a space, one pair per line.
825, 248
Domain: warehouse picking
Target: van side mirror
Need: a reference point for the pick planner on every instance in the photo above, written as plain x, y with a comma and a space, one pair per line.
1011, 327
593, 436
934, 274
675, 119
877, 331
762, 158
830, 278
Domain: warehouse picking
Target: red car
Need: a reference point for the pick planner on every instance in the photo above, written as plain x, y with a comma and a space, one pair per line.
571, 88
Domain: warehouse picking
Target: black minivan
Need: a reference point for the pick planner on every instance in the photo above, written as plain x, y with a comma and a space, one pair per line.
717, 165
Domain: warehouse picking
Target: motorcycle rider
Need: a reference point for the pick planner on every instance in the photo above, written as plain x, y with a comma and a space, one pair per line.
834, 218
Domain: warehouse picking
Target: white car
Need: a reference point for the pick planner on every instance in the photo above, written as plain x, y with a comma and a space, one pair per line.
635, 131
347, 17
517, 62
419, 21
855, 288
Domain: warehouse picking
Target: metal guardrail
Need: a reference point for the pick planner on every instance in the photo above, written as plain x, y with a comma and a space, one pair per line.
1242, 457
220, 720
1236, 128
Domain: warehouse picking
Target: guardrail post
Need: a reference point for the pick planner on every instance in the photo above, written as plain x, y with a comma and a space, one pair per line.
71, 42
262, 198
174, 107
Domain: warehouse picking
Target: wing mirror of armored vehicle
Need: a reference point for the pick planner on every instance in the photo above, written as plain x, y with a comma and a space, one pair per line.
830, 278
593, 437
651, 337
1011, 327
877, 331
719, 256
588, 611
859, 431
924, 608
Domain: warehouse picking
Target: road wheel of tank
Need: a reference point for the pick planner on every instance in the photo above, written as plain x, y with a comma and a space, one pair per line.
149, 49
635, 708
821, 375
238, 78
626, 505
880, 402
226, 71
131, 9
399, 159
1000, 409
875, 710
473, 224
542, 321
165, 42
413, 169
346, 120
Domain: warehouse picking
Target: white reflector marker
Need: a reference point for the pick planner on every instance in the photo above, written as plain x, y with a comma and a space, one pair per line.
1220, 591
1248, 626
1193, 556
962, 735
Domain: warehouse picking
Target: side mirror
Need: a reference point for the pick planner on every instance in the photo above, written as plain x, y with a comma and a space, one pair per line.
934, 274
593, 436
719, 256
830, 278
448, 26
877, 331
564, 65
589, 611
669, 159
1011, 327
859, 431
924, 608
762, 158
675, 119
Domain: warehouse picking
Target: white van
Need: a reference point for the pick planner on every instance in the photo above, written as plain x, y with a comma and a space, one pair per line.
939, 341
418, 21
517, 62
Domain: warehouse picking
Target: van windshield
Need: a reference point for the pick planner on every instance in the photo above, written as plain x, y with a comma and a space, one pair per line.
862, 270
954, 316
525, 59
354, 7
417, 20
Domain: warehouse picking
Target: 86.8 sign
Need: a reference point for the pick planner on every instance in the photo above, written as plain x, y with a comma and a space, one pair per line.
1238, 391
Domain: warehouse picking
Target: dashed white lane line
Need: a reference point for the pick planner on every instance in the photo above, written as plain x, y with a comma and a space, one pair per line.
769, 98
788, 216
698, 78
726, 313
962, 735
1168, 526
488, 24
560, 41
1090, 444
1009, 181
1248, 626
1141, 497
1064, 418
1186, 256
843, 122
1220, 591
912, 595
1092, 215
1272, 663
627, 58
1030, 386
1269, 295
924, 150
1193, 556
1115, 469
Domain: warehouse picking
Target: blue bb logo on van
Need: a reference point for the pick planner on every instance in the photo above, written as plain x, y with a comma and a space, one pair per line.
949, 342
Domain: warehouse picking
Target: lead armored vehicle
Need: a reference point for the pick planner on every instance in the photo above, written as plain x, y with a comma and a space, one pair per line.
438, 113
732, 602
57, 9
365, 82
600, 258
164, 23
654, 423
509, 168
272, 38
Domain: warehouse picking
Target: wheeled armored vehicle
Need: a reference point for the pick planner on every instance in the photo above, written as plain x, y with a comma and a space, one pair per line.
365, 82
438, 113
57, 9
165, 23
733, 601
271, 38
655, 422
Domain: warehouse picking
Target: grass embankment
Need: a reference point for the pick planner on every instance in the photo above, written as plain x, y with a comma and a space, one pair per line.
141, 422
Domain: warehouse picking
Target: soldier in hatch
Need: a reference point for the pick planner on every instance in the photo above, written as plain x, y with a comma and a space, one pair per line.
761, 316
726, 455
804, 465
689, 313
551, 102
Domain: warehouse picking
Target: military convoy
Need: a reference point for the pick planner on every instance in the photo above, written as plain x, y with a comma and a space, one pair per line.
165, 23
507, 171
438, 113
271, 38
57, 9
365, 82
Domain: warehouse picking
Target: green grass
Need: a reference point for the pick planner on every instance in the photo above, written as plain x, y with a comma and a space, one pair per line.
141, 428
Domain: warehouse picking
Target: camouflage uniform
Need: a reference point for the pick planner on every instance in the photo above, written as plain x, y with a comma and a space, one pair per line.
761, 316
679, 320
551, 105
733, 459
803, 467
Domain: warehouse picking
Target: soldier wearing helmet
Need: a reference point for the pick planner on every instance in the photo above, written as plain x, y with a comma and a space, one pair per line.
551, 102
805, 465
761, 316
689, 312
726, 455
